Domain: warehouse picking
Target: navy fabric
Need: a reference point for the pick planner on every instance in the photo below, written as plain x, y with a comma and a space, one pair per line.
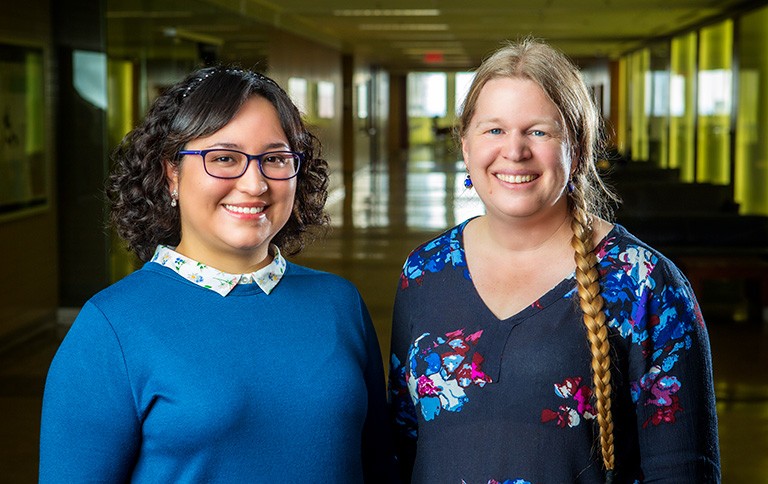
479, 400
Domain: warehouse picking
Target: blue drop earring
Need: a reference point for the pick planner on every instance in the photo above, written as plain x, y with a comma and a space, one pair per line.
467, 182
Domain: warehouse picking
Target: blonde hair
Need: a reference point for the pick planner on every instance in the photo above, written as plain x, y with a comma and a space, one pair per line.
588, 197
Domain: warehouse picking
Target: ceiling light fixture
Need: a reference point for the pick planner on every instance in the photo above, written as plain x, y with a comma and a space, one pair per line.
398, 12
183, 34
115, 14
404, 27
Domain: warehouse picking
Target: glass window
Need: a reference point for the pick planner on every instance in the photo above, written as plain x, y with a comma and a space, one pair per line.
682, 89
639, 103
23, 157
714, 102
751, 189
657, 104
298, 90
463, 81
326, 99
427, 94
622, 105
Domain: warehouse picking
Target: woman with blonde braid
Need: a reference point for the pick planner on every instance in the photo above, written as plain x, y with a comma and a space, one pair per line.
540, 343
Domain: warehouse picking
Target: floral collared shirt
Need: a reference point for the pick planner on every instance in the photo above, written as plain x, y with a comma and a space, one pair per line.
215, 280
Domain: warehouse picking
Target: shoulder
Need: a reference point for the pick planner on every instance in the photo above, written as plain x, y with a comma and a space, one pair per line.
451, 238
317, 280
645, 293
149, 281
326, 296
446, 251
101, 326
620, 251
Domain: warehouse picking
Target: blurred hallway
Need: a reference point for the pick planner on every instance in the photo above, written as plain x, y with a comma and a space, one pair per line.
387, 215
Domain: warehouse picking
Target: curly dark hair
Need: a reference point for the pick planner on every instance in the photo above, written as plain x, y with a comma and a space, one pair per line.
201, 104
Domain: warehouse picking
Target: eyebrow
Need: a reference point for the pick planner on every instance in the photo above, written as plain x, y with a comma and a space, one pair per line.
276, 145
533, 122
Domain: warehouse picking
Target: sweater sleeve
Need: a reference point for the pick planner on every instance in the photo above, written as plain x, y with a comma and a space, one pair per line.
377, 451
402, 410
89, 428
671, 381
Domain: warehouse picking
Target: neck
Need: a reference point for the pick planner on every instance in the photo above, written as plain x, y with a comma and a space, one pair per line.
528, 235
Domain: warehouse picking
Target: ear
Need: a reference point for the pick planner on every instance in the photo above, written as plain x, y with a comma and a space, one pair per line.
464, 153
172, 175
575, 159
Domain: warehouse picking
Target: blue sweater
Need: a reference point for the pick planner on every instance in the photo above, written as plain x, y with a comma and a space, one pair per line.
160, 380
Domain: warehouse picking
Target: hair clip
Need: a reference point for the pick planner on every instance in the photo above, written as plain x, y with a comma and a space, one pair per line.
195, 82
266, 79
199, 80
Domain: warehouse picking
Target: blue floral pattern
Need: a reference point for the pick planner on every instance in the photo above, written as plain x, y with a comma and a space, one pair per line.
660, 319
441, 369
659, 350
444, 251
508, 481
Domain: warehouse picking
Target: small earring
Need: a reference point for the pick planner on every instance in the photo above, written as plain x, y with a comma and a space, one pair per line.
174, 198
571, 187
467, 182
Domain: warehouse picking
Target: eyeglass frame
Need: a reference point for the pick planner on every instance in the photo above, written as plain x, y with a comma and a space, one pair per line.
248, 158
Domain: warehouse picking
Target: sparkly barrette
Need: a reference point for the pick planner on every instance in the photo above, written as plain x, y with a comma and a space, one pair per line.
199, 80
262, 77
195, 82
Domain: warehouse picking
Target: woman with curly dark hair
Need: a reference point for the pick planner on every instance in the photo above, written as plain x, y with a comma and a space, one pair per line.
218, 360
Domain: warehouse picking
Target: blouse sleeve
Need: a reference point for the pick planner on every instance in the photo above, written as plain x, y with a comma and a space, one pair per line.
402, 410
89, 427
670, 368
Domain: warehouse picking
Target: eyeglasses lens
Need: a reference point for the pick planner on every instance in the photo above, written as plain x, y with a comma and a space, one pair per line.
232, 164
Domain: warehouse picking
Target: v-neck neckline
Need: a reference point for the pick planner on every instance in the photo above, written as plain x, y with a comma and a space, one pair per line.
558, 291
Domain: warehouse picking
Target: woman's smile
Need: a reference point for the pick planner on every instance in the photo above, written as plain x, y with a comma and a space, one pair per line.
516, 179
244, 209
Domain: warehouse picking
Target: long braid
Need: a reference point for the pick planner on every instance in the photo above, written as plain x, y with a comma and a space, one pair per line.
591, 303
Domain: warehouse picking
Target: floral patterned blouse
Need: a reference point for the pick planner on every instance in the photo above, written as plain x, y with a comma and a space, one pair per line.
217, 281
510, 401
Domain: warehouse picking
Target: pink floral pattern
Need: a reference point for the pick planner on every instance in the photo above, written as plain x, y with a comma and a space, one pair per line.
578, 396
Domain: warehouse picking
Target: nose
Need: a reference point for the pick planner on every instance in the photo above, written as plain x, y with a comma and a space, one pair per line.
516, 147
252, 182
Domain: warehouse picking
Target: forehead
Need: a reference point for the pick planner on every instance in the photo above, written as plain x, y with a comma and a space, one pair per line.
513, 97
257, 113
255, 125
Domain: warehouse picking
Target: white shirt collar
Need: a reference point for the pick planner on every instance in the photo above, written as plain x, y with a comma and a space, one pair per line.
215, 280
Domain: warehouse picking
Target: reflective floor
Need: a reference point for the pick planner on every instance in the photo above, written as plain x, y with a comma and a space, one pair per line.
389, 212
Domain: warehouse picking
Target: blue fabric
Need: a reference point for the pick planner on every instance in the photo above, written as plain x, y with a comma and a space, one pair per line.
160, 380
492, 401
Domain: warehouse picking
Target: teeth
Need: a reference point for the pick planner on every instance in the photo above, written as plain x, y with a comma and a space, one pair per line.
249, 210
516, 178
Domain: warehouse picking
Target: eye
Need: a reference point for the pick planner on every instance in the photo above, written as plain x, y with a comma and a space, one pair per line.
222, 158
538, 133
277, 159
495, 131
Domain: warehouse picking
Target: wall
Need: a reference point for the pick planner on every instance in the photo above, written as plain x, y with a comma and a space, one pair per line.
292, 56
29, 288
81, 140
